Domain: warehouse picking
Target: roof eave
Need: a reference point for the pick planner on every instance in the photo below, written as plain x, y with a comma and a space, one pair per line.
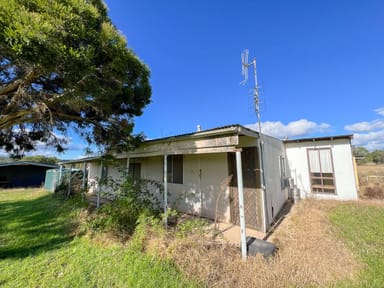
316, 139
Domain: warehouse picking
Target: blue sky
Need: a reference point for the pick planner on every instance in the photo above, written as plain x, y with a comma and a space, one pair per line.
320, 66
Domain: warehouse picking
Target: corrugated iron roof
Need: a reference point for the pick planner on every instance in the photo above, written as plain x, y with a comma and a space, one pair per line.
203, 132
27, 163
314, 139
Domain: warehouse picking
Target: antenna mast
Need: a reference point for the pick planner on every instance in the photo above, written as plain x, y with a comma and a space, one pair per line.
244, 71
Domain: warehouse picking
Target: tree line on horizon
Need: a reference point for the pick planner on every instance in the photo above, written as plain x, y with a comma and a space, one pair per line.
37, 159
364, 156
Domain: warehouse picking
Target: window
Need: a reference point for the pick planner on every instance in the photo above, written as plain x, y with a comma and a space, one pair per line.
175, 169
104, 172
321, 170
134, 171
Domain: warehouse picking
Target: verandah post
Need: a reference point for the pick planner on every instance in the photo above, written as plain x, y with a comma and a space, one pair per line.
240, 189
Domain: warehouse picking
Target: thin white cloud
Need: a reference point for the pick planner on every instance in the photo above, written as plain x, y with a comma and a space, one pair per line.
371, 141
293, 129
365, 126
368, 134
70, 147
380, 111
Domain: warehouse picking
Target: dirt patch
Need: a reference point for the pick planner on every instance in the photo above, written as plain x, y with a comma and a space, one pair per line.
309, 255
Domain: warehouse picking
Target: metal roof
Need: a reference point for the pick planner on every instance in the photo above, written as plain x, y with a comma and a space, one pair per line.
27, 163
234, 128
315, 139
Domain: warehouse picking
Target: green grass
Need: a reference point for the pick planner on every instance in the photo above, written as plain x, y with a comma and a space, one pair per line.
39, 249
362, 227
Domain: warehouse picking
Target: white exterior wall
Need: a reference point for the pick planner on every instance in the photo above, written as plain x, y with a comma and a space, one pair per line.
204, 187
204, 184
341, 150
152, 169
277, 194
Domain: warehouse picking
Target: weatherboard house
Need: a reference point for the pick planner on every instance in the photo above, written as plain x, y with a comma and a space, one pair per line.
210, 172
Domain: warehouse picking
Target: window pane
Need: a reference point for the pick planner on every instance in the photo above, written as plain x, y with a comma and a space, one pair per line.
325, 160
329, 175
314, 163
175, 169
328, 182
178, 169
104, 172
316, 182
321, 170
134, 170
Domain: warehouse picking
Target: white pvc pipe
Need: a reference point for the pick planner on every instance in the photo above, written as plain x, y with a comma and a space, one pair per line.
84, 174
99, 188
240, 189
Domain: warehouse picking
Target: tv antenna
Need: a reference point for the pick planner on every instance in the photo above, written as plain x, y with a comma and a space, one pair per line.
244, 71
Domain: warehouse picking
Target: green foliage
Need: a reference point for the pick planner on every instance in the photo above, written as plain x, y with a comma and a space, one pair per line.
195, 225
133, 200
41, 159
362, 227
143, 224
64, 64
377, 156
364, 156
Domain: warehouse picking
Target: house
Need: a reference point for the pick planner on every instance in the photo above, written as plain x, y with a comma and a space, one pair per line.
200, 171
23, 174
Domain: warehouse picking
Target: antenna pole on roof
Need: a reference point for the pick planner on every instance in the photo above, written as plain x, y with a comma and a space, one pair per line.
244, 71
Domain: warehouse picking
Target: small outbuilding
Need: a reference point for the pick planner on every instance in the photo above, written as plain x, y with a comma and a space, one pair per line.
23, 174
323, 167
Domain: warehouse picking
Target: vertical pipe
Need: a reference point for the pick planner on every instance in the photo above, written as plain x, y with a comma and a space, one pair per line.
69, 181
165, 190
262, 178
60, 174
84, 174
241, 205
99, 186
127, 169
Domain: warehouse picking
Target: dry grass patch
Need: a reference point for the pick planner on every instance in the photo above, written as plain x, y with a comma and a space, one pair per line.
371, 180
309, 255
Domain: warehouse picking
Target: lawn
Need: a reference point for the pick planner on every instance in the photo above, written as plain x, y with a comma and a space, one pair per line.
38, 248
361, 226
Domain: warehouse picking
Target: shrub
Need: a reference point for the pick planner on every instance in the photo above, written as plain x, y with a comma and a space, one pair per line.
133, 200
374, 192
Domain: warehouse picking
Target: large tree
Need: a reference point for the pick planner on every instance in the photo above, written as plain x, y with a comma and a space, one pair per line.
64, 64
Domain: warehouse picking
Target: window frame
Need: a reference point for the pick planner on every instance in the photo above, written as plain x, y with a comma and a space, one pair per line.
134, 170
175, 167
318, 179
